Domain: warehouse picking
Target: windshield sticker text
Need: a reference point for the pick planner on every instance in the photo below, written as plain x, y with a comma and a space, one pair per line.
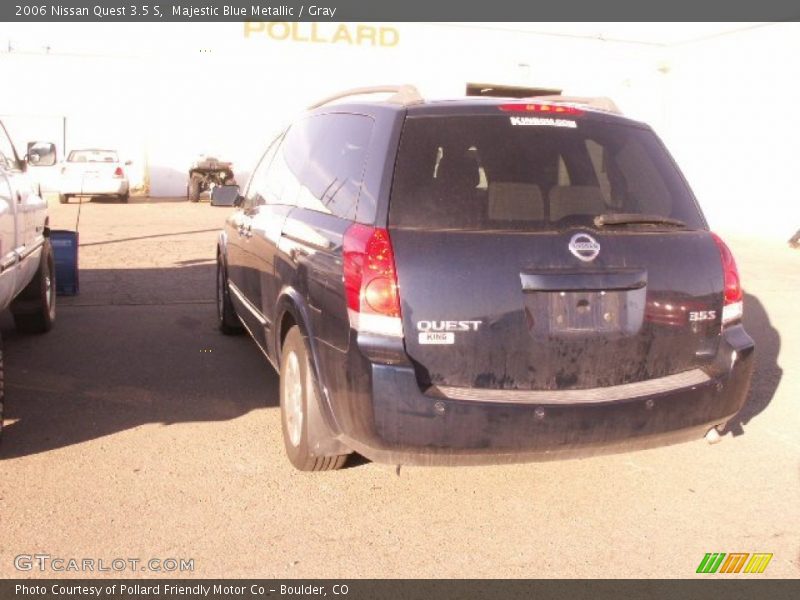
542, 121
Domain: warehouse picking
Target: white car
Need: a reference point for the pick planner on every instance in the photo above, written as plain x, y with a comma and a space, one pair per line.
93, 172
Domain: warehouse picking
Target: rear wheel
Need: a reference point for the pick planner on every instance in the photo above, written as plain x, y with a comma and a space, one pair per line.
34, 309
63, 198
297, 390
194, 188
125, 197
226, 315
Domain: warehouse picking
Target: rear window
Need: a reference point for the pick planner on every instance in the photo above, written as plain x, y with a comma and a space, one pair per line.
93, 156
484, 173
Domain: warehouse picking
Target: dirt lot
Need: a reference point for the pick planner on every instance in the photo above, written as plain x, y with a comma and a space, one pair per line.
136, 430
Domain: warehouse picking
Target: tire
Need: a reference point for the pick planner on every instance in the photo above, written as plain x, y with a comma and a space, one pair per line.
34, 309
194, 188
298, 388
2, 387
229, 323
125, 197
63, 198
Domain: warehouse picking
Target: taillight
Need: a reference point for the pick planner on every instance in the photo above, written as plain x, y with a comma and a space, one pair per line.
541, 107
732, 309
370, 281
118, 172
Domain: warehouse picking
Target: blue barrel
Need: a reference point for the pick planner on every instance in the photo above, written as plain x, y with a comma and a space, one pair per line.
65, 252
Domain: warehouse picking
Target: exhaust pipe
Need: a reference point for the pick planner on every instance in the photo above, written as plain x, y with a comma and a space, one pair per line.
713, 436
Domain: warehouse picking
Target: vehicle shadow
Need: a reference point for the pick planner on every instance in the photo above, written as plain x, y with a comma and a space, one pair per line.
138, 347
159, 200
76, 199
140, 199
148, 237
767, 374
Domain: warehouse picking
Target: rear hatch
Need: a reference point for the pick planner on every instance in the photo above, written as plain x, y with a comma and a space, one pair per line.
91, 164
540, 252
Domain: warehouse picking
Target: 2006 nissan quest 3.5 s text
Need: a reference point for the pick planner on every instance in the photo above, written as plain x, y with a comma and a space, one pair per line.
481, 280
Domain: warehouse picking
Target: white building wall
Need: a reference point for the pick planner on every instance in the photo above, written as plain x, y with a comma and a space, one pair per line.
163, 93
733, 124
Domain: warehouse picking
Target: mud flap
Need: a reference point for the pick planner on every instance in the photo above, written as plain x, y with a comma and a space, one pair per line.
322, 442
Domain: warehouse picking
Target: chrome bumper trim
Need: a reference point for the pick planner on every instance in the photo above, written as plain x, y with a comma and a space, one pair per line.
625, 391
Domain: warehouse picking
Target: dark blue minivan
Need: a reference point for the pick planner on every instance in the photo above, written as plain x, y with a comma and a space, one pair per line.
481, 280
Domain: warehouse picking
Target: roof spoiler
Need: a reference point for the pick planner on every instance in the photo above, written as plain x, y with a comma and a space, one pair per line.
405, 95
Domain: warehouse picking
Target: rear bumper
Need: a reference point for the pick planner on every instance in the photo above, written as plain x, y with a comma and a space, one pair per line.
411, 427
95, 187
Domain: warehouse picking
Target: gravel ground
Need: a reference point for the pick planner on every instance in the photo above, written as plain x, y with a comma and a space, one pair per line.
136, 430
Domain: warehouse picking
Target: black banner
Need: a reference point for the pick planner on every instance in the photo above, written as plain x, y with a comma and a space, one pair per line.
713, 588
408, 10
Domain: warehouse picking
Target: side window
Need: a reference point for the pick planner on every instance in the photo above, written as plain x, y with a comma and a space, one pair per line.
283, 178
7, 159
6, 217
5, 190
254, 196
333, 175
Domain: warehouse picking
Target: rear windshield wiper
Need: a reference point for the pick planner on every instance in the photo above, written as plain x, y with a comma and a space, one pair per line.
635, 219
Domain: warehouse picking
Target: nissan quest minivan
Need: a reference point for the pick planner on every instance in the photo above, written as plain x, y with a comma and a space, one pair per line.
481, 280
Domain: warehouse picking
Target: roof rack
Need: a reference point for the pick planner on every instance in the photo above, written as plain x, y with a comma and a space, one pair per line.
401, 94
598, 103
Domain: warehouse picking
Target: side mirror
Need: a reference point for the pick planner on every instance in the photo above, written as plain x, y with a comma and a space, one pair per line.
128, 163
41, 154
226, 195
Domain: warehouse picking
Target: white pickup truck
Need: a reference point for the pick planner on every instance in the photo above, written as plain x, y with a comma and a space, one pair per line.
27, 267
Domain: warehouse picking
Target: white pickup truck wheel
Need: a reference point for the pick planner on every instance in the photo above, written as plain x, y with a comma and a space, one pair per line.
2, 387
34, 309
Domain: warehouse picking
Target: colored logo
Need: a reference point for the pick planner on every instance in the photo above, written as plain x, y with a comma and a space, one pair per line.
735, 562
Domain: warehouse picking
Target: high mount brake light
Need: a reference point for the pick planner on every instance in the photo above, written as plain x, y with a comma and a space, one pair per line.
733, 307
370, 281
542, 108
